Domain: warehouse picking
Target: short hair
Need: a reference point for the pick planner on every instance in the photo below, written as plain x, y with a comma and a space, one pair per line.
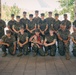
24, 12
17, 16
30, 15
12, 15
56, 14
42, 14
50, 12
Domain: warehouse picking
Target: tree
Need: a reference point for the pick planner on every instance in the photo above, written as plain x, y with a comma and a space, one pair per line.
67, 7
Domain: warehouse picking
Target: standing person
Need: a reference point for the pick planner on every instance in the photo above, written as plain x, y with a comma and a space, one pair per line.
31, 27
43, 27
50, 43
22, 42
37, 18
49, 20
11, 23
73, 36
2, 26
37, 43
67, 22
24, 20
64, 41
8, 41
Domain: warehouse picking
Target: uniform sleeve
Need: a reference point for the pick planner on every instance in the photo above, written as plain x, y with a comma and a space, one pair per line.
4, 24
3, 38
14, 40
27, 36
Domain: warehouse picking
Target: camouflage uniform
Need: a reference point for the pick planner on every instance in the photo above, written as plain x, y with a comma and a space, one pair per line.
74, 45
22, 39
2, 26
50, 39
38, 48
63, 48
10, 41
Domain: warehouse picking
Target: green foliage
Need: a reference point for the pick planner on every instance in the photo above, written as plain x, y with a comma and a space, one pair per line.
67, 7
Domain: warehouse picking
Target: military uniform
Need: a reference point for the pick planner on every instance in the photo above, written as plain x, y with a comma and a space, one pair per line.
11, 41
2, 26
22, 38
50, 39
63, 48
73, 36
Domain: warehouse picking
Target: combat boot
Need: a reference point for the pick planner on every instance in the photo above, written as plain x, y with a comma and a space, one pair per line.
67, 56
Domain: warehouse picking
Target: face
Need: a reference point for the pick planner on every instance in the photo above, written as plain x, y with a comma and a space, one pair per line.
42, 17
37, 33
63, 27
9, 34
12, 17
36, 14
50, 15
56, 17
51, 31
30, 18
24, 15
65, 17
21, 30
18, 19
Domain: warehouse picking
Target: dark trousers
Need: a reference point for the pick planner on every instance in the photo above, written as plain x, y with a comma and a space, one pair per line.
52, 50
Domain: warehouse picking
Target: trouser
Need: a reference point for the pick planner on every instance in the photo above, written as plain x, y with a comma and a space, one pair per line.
63, 48
52, 50
10, 49
38, 50
23, 49
74, 50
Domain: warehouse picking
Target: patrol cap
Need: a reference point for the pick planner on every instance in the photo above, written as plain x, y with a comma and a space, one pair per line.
65, 14
50, 12
12, 15
56, 14
36, 11
37, 30
8, 31
42, 14
24, 12
30, 15
17, 16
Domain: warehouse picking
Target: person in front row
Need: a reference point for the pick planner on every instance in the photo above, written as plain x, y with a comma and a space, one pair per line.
8, 42
22, 42
50, 43
37, 43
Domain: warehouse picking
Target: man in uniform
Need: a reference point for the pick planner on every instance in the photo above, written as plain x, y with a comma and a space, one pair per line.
50, 43
36, 18
64, 40
8, 41
2, 26
31, 27
67, 22
24, 20
22, 42
11, 23
49, 20
37, 43
73, 36
43, 27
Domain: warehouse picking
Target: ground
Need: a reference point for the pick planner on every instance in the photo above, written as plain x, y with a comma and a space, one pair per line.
29, 65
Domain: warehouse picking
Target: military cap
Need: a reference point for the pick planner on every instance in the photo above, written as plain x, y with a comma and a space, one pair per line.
50, 12
37, 30
24, 12
17, 16
56, 14
8, 31
30, 15
65, 14
42, 14
36, 11
12, 15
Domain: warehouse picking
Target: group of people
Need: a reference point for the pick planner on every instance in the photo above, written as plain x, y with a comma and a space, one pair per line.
38, 35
